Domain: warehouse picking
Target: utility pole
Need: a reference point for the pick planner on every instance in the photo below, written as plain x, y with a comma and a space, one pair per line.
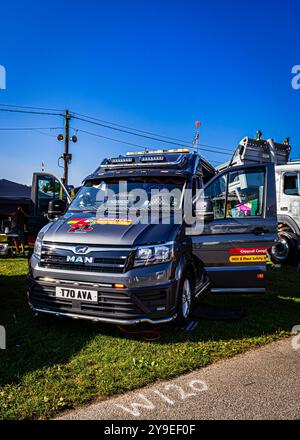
66, 156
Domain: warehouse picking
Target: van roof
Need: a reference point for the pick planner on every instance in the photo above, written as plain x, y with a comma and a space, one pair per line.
170, 162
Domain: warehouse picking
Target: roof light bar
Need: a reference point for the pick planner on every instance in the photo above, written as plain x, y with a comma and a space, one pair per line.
152, 158
122, 160
145, 152
179, 150
144, 163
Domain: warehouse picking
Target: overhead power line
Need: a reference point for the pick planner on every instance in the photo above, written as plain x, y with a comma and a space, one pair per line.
140, 131
182, 142
127, 131
116, 127
129, 143
28, 128
30, 112
120, 141
47, 134
31, 108
157, 139
109, 138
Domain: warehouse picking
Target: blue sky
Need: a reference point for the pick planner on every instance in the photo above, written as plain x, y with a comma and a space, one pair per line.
157, 66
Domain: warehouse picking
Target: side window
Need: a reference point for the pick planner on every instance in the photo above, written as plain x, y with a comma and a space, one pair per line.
291, 184
216, 191
245, 193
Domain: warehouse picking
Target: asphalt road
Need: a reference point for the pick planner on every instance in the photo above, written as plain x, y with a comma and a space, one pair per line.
260, 384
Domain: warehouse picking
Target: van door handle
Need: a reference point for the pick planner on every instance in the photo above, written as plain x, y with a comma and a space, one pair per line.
258, 231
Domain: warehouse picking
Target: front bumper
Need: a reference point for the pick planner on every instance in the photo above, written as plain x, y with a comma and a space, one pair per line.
106, 320
142, 300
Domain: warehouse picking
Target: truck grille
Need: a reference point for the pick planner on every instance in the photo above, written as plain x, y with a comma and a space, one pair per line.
104, 261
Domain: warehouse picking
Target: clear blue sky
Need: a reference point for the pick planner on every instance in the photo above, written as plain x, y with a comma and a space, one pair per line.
154, 65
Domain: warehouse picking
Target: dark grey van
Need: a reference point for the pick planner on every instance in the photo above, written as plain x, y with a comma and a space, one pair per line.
116, 270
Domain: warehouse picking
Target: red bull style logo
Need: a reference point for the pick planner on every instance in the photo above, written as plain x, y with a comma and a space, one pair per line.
86, 224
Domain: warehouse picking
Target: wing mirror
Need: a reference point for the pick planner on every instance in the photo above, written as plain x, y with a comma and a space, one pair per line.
205, 210
56, 208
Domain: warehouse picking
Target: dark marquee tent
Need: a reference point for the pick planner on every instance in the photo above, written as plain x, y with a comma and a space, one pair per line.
12, 195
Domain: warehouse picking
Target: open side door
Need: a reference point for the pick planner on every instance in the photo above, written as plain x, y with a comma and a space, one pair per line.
234, 242
45, 187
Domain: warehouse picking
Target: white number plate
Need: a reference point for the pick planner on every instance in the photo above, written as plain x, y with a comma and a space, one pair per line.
77, 294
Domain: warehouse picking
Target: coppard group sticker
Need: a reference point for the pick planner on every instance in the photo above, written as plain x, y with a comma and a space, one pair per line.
249, 251
248, 255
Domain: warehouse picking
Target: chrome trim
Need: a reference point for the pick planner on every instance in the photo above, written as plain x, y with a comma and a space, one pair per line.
107, 320
73, 283
62, 271
234, 268
91, 248
239, 290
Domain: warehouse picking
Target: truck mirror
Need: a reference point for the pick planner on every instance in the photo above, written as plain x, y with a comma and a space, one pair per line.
205, 210
56, 208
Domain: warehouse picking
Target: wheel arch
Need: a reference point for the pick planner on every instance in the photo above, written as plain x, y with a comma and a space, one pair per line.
284, 221
194, 266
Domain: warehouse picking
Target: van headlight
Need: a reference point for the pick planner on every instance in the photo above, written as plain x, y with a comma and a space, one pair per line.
149, 255
37, 252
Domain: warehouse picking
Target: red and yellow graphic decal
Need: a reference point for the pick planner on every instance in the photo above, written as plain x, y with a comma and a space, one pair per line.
86, 224
112, 221
249, 251
80, 225
248, 255
248, 259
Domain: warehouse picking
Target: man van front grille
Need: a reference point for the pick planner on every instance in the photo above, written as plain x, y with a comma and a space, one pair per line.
108, 261
83, 268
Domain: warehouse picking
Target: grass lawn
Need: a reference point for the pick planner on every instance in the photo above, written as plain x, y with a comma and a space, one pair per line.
51, 365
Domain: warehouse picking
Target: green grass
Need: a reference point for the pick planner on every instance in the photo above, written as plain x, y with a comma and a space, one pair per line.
51, 365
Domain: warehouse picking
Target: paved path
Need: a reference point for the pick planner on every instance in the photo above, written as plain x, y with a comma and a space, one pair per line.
260, 384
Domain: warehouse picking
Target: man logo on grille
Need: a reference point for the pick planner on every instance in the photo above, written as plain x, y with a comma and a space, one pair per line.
84, 260
81, 250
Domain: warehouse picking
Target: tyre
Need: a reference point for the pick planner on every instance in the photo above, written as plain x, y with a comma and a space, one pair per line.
284, 251
186, 296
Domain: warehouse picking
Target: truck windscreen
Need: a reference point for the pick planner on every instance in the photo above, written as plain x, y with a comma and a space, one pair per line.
142, 192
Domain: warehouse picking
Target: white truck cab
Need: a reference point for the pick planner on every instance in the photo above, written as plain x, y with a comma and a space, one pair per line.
288, 211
